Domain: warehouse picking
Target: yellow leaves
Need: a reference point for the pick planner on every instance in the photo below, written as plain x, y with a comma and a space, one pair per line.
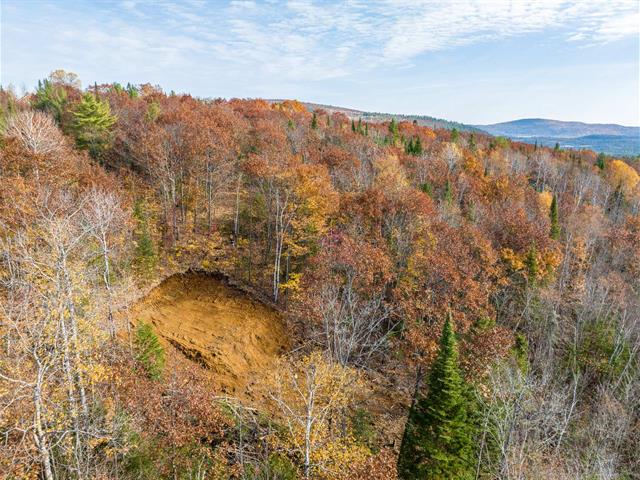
512, 259
389, 173
544, 200
293, 283
624, 176
311, 393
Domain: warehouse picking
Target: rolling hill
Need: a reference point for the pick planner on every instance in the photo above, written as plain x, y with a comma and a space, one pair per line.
608, 138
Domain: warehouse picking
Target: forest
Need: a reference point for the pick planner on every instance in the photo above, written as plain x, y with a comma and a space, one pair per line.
453, 305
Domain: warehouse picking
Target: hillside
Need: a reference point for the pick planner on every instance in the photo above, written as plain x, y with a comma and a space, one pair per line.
540, 127
422, 120
608, 138
244, 289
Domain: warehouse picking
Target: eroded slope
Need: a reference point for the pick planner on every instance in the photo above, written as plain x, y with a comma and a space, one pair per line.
219, 326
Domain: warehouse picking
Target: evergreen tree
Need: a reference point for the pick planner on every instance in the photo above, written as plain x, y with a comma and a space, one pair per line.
149, 352
360, 131
408, 148
553, 214
600, 161
145, 254
50, 98
353, 126
92, 124
472, 142
366, 129
393, 132
557, 147
455, 135
314, 121
448, 192
417, 147
438, 441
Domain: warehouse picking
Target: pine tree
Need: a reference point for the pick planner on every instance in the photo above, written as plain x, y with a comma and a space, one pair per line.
417, 147
408, 148
455, 135
557, 147
438, 441
600, 161
353, 126
50, 98
448, 192
472, 142
360, 131
149, 352
92, 123
314, 121
145, 254
366, 129
393, 132
553, 214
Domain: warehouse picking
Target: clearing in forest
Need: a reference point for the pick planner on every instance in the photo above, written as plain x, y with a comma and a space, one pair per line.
234, 335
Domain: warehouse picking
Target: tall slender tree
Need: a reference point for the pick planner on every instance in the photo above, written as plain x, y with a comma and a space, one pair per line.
553, 215
439, 434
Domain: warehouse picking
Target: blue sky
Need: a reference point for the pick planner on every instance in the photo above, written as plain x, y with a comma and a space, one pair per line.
471, 61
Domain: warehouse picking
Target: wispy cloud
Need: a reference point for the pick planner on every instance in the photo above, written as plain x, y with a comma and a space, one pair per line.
306, 39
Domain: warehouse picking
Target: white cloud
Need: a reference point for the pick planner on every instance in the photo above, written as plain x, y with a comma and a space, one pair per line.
305, 39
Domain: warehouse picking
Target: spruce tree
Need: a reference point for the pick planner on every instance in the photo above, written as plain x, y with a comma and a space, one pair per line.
531, 263
472, 142
600, 161
455, 135
314, 121
553, 214
353, 126
417, 147
51, 98
149, 352
438, 441
92, 123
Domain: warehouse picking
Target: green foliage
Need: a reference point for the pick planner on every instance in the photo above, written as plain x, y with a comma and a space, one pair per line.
553, 215
472, 143
521, 352
438, 441
414, 147
50, 98
363, 428
92, 123
314, 121
280, 467
556, 148
531, 264
140, 461
601, 351
427, 188
499, 142
448, 193
600, 161
153, 112
145, 256
353, 126
132, 91
149, 352
455, 135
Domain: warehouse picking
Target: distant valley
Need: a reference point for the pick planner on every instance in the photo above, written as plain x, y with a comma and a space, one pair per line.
608, 138
611, 139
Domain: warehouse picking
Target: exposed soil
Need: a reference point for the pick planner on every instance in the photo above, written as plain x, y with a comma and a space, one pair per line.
234, 335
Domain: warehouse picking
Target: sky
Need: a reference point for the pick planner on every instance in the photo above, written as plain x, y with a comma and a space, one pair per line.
471, 61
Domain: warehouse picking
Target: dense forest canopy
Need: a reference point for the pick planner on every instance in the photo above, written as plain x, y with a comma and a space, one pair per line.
458, 305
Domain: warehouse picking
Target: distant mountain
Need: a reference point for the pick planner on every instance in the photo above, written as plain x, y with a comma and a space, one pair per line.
540, 127
423, 120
